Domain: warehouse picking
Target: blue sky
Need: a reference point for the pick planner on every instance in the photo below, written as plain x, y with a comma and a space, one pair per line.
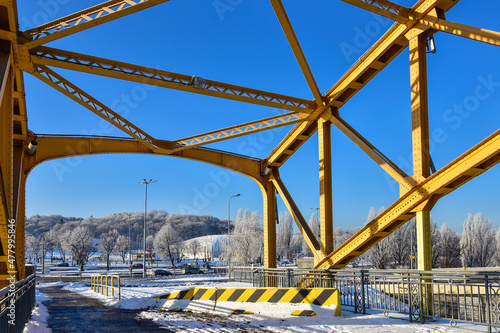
245, 45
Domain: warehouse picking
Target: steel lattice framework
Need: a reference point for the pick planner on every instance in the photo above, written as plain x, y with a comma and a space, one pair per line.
25, 52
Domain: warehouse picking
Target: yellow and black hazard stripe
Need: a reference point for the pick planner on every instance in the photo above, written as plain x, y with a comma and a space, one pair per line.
317, 296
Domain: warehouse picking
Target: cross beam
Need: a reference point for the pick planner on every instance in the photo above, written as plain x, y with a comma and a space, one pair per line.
85, 19
145, 75
466, 167
240, 130
67, 88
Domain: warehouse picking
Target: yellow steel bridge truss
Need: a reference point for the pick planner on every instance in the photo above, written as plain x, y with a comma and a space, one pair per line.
24, 51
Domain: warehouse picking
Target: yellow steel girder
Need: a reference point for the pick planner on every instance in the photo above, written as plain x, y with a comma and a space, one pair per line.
85, 19
145, 75
466, 167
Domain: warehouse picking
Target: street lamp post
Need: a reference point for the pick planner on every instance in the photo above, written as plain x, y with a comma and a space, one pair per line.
146, 183
229, 217
129, 245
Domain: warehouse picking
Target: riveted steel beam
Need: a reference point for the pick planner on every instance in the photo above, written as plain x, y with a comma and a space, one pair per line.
462, 30
85, 19
280, 11
67, 88
145, 75
384, 8
466, 167
304, 228
240, 130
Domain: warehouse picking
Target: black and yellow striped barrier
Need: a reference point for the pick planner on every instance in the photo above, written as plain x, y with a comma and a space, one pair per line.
314, 296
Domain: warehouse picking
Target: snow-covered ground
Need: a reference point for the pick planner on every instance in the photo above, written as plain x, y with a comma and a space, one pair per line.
139, 296
39, 316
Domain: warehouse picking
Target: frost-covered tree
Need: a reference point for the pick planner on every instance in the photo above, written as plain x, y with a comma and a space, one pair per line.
399, 245
284, 234
121, 247
497, 253
108, 244
315, 226
33, 247
435, 239
51, 242
296, 243
247, 241
79, 243
193, 246
167, 242
448, 248
379, 254
478, 241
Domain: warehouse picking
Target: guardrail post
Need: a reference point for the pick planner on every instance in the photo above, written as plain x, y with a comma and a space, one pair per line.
107, 285
488, 308
119, 290
410, 298
113, 285
289, 278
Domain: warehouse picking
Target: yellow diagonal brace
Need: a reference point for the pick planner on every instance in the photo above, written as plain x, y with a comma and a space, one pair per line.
383, 161
304, 228
240, 130
297, 50
384, 8
481, 157
145, 75
462, 30
88, 18
59, 83
367, 67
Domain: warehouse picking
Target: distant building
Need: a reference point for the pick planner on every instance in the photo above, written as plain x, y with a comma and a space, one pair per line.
137, 255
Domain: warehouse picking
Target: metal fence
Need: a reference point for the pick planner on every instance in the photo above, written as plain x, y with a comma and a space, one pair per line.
16, 304
457, 296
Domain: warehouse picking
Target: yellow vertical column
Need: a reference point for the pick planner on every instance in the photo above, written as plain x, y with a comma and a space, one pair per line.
421, 157
420, 138
325, 185
268, 193
6, 163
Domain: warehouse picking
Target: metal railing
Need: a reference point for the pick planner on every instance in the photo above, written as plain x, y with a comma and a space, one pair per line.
457, 296
16, 304
99, 282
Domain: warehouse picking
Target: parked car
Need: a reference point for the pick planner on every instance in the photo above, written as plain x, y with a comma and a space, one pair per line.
285, 263
137, 266
161, 272
192, 270
63, 264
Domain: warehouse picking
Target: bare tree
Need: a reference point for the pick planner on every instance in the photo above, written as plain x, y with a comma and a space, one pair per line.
108, 243
60, 245
497, 253
79, 243
247, 241
379, 254
296, 243
477, 242
121, 247
448, 248
399, 246
315, 226
194, 247
435, 240
51, 242
167, 242
33, 247
284, 234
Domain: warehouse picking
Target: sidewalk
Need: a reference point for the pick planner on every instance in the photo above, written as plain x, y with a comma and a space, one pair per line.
72, 312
